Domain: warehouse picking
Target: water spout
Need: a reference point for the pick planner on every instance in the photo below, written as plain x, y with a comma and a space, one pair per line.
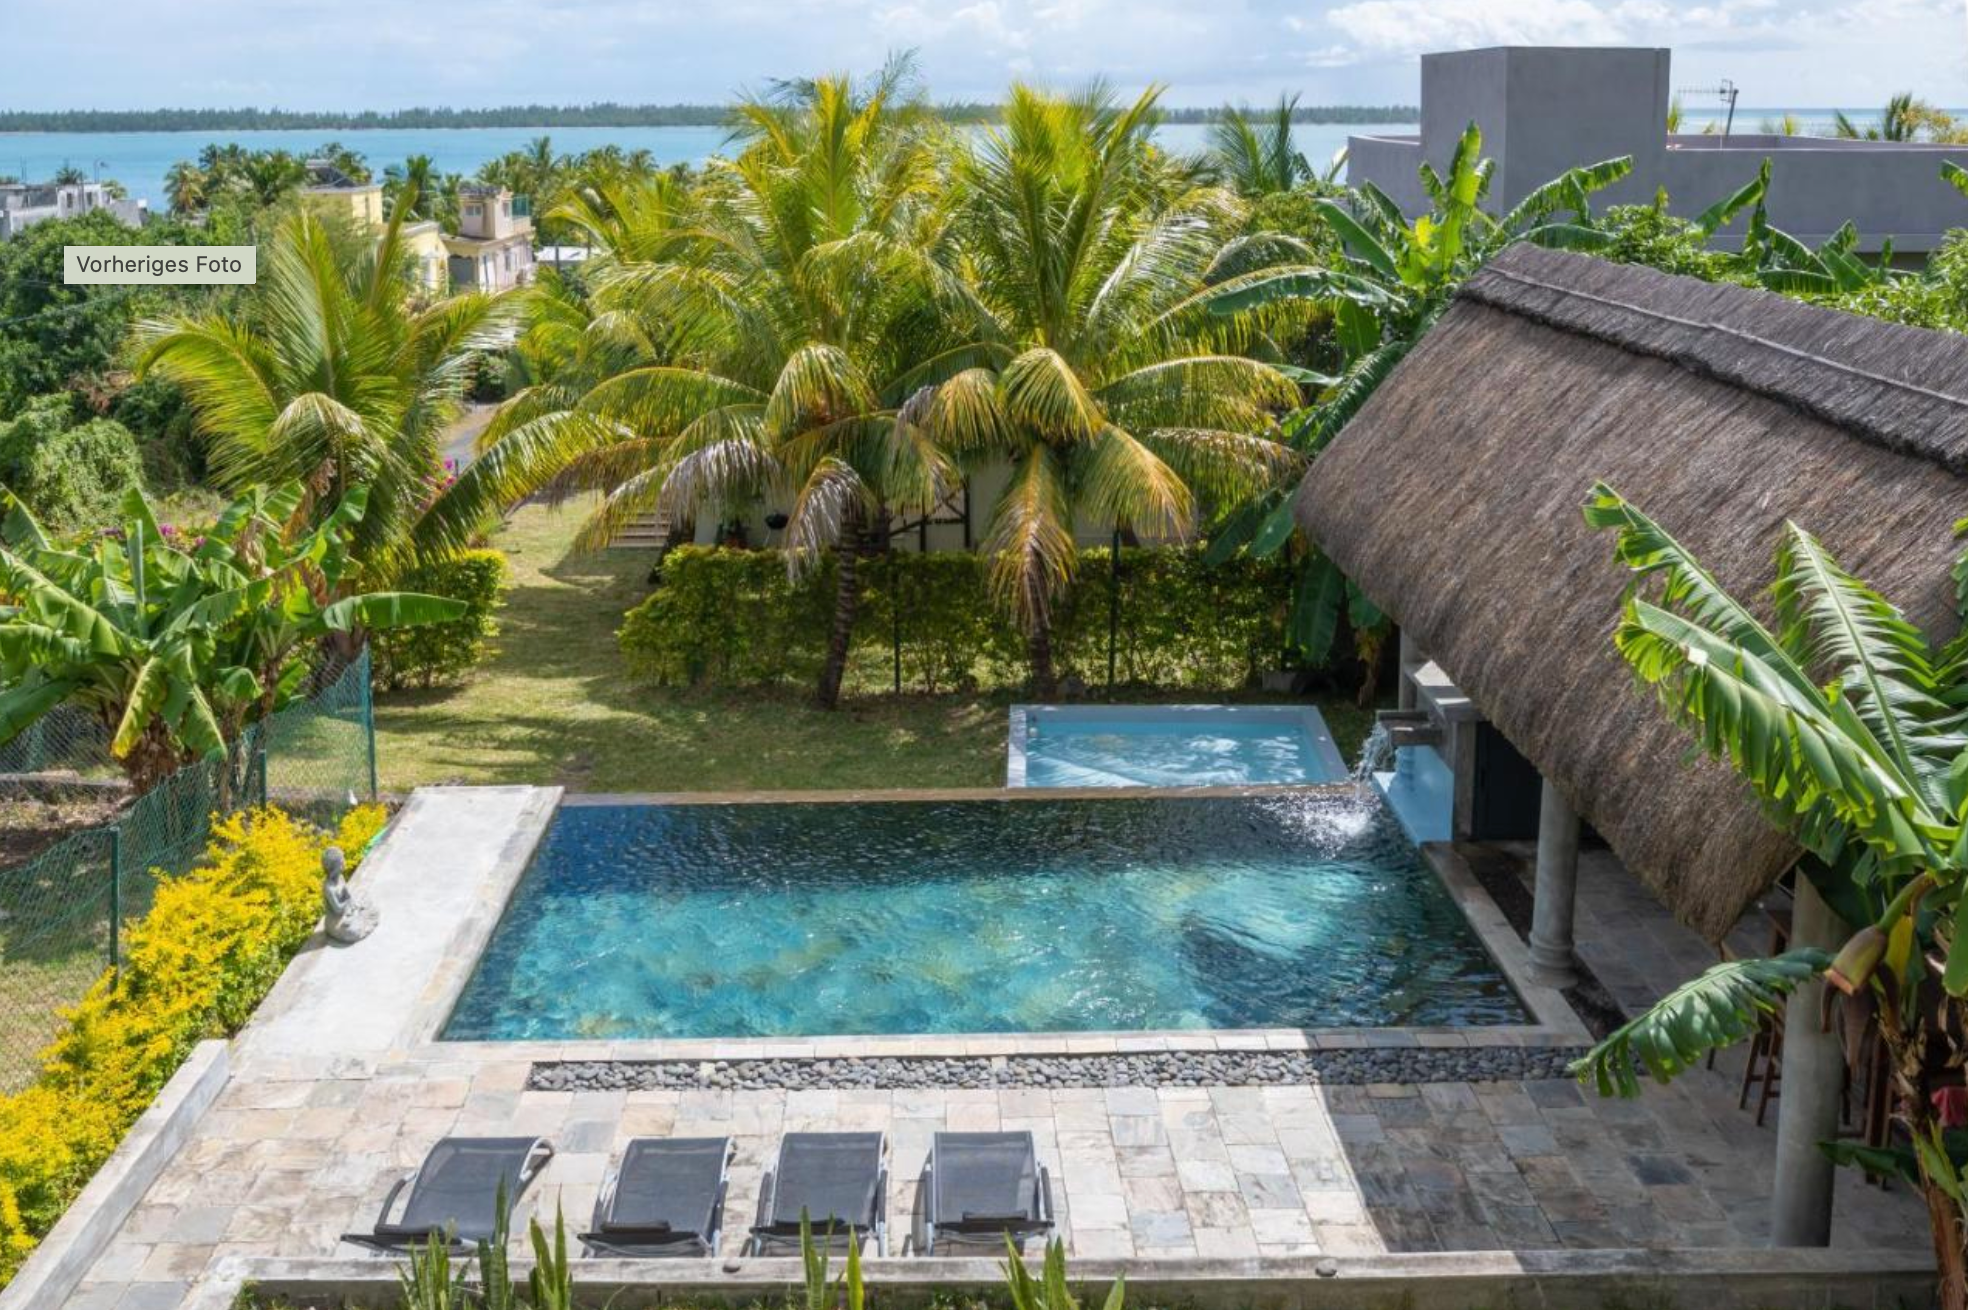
1376, 754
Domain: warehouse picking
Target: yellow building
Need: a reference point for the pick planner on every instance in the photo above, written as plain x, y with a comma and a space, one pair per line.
493, 248
333, 191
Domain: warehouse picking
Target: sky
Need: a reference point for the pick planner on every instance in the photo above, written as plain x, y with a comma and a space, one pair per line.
385, 54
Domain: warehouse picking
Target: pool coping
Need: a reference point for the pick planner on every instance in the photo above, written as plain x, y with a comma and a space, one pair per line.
1310, 721
1555, 1023
1556, 1279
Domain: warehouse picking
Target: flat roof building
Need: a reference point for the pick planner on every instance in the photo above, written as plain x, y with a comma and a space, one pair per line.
1544, 109
23, 204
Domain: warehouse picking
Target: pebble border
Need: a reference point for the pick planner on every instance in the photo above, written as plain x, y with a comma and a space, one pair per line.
1150, 1069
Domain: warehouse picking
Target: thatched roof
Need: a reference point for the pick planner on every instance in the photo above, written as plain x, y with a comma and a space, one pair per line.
1454, 499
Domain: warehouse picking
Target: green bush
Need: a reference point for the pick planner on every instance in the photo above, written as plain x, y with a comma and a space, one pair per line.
734, 618
71, 474
730, 618
213, 944
1180, 623
443, 652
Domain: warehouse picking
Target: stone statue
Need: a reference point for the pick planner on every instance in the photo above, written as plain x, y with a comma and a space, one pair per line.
349, 918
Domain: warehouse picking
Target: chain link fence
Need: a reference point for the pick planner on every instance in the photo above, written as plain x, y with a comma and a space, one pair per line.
78, 856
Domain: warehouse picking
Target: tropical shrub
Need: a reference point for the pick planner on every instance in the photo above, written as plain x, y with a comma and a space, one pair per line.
176, 645
444, 652
737, 618
72, 475
1844, 718
195, 966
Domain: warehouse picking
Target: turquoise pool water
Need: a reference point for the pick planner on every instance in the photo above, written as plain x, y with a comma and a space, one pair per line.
1170, 746
976, 916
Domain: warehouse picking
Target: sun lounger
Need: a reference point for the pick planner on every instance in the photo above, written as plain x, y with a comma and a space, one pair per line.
982, 1188
454, 1193
838, 1180
665, 1199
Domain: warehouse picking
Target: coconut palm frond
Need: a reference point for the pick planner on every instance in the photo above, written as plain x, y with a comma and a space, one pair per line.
1039, 390
1125, 482
1030, 538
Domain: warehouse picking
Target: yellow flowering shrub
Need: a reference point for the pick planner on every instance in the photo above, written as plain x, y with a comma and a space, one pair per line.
211, 947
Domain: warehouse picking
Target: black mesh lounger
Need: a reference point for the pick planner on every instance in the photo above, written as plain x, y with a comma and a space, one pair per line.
666, 1198
455, 1191
983, 1188
840, 1180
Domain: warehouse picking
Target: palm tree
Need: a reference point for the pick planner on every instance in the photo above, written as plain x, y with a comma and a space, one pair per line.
415, 183
765, 335
186, 184
1122, 404
1846, 721
271, 175
1253, 153
333, 378
1900, 120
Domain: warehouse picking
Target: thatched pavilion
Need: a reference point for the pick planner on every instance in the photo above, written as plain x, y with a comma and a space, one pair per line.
1454, 500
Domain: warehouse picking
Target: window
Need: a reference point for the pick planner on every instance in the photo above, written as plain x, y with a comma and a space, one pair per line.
474, 211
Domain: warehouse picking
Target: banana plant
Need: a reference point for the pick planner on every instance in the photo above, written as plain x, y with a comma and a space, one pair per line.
1394, 281
174, 645
1847, 722
1780, 262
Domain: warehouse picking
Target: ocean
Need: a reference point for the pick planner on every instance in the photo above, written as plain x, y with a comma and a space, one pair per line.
139, 160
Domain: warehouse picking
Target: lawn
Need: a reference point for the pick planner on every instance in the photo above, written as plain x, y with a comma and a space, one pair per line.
554, 704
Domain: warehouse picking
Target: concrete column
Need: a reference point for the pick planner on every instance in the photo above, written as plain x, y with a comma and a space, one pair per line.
1409, 655
1813, 1081
1556, 891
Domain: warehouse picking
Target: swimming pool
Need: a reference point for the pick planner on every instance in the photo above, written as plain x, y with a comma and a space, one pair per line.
1169, 746
977, 916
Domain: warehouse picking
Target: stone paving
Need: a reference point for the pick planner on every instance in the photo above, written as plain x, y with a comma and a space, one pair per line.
304, 1143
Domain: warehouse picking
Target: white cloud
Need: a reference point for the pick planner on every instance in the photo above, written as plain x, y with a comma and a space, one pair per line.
1381, 27
390, 53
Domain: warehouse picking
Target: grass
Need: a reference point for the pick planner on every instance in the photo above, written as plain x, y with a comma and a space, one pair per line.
554, 704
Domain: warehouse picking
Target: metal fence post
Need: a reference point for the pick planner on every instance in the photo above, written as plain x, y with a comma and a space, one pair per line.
369, 723
116, 900
260, 766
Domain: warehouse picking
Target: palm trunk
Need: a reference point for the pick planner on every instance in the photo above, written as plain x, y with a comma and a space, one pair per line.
847, 603
1038, 641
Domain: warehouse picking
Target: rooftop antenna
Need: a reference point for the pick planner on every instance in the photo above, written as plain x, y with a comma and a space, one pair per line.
1725, 90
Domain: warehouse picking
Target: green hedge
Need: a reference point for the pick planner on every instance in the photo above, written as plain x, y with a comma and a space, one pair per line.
444, 652
734, 618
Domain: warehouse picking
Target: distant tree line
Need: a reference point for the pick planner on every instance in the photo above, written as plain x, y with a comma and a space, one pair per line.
606, 114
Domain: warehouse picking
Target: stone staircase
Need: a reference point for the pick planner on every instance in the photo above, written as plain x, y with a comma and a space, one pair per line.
649, 531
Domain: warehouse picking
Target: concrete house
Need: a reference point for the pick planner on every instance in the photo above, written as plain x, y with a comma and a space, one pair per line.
23, 204
493, 248
1544, 109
